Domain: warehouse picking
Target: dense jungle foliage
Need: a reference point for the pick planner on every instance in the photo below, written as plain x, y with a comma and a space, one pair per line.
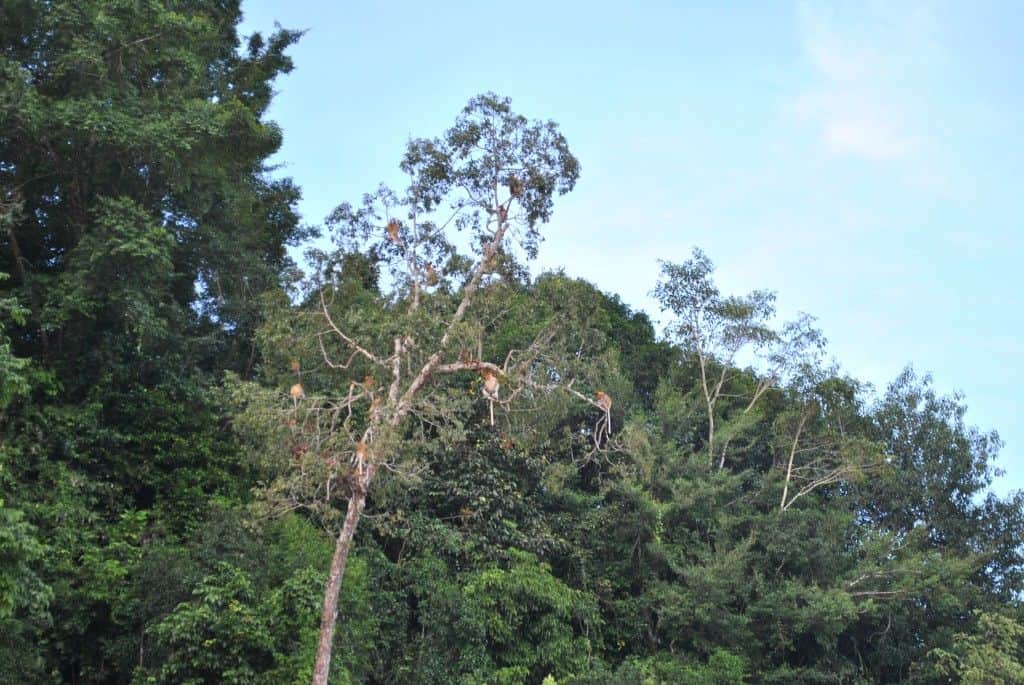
753, 515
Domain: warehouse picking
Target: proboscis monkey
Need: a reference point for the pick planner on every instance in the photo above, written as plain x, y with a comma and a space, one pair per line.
491, 387
491, 384
296, 391
491, 263
603, 427
393, 231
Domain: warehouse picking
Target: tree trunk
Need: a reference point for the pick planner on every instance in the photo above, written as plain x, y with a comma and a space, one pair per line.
16, 256
792, 456
711, 432
330, 611
789, 475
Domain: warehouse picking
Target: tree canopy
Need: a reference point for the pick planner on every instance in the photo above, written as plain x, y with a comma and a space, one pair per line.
563, 494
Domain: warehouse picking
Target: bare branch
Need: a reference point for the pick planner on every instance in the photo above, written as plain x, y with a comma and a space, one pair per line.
348, 340
425, 372
792, 455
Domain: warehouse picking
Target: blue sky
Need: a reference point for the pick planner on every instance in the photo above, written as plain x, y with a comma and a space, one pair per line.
864, 160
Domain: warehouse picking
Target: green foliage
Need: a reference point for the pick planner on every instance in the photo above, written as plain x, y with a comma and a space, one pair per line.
232, 631
533, 624
13, 376
218, 637
138, 228
21, 589
992, 654
148, 316
707, 320
125, 264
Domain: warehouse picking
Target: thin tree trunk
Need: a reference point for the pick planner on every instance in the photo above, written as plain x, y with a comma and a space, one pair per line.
711, 397
16, 256
789, 475
710, 406
725, 448
330, 611
789, 466
400, 407
711, 433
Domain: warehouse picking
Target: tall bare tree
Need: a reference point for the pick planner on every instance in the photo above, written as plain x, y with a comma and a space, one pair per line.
723, 330
490, 179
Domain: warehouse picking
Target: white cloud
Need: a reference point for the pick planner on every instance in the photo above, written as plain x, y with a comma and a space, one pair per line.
864, 137
866, 65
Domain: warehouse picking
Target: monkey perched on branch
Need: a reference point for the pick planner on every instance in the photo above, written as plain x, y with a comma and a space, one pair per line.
393, 231
492, 384
490, 263
362, 452
515, 186
603, 427
296, 392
